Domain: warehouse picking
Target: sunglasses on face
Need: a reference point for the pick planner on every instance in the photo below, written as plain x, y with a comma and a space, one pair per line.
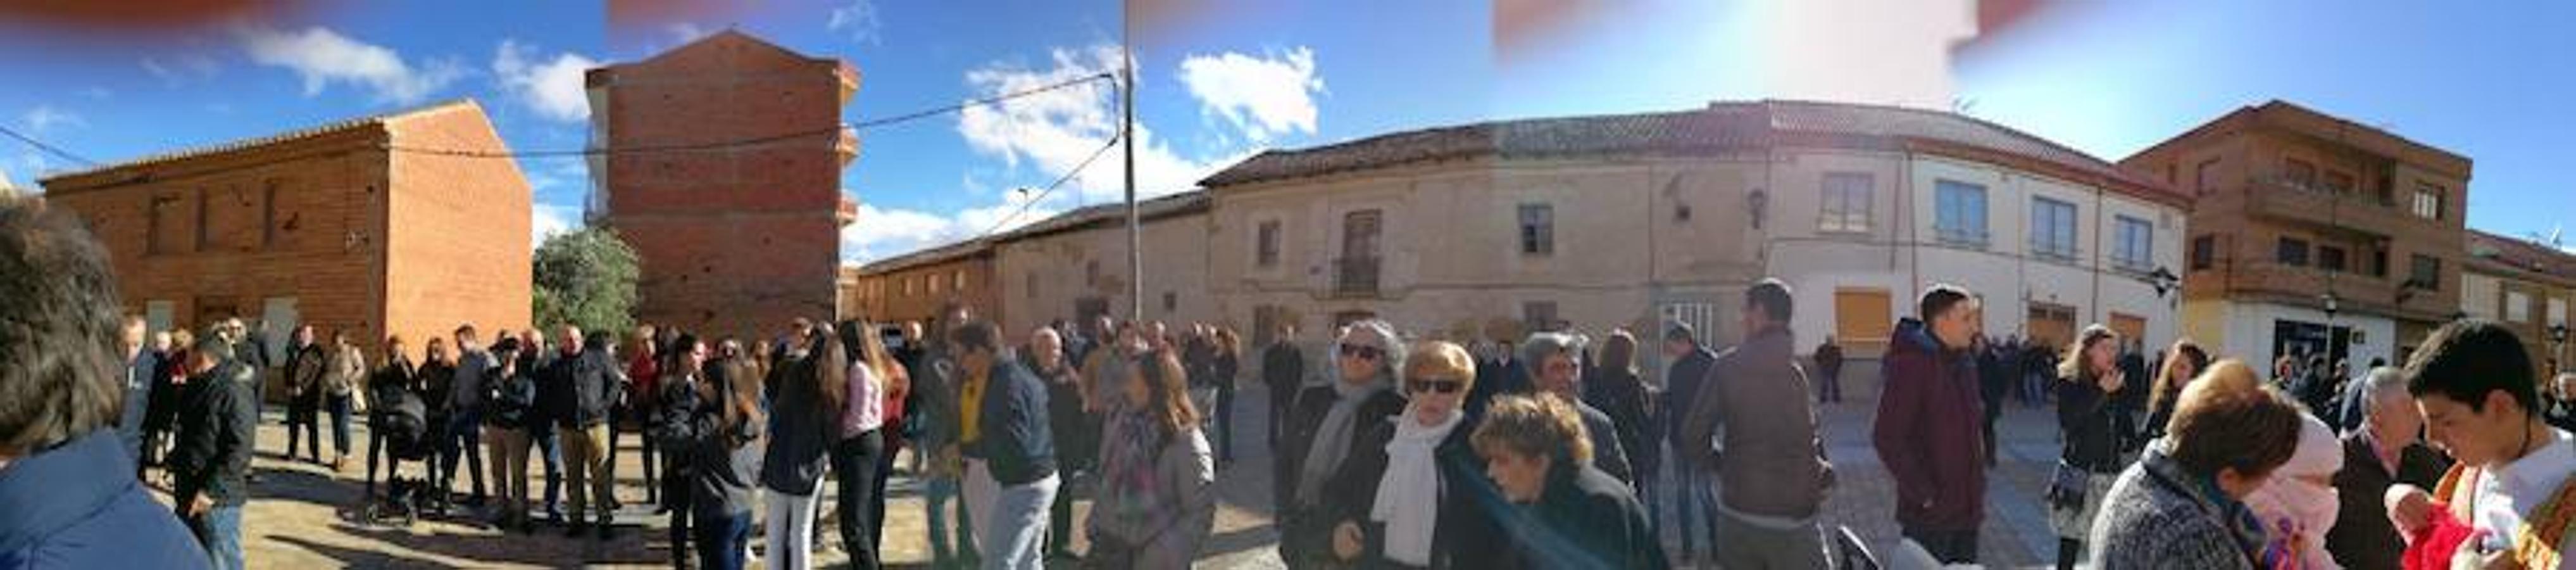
1444, 386
1362, 352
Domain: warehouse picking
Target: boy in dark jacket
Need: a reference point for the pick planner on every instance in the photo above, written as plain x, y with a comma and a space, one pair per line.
210, 465
1927, 427
1006, 438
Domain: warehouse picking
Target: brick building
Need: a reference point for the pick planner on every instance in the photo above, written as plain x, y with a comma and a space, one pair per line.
735, 237
2314, 235
912, 287
2528, 287
346, 226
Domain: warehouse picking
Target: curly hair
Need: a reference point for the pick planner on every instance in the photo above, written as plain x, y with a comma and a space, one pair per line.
1533, 426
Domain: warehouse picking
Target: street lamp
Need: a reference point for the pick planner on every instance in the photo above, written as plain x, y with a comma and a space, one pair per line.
2332, 303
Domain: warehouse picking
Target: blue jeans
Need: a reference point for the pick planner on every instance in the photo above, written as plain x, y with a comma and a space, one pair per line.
339, 407
464, 439
220, 531
543, 433
720, 541
1695, 505
1017, 534
939, 494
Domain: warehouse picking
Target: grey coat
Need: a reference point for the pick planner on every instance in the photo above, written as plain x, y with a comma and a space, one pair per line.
2157, 516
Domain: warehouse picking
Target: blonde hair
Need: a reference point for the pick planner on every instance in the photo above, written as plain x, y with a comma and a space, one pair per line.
1443, 359
1533, 426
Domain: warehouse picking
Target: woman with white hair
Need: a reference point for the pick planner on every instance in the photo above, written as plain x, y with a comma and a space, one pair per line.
2298, 505
1325, 439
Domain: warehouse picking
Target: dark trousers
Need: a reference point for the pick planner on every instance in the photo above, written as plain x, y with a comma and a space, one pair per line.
854, 465
1829, 384
1947, 546
1280, 401
652, 485
1060, 521
1224, 421
2068, 550
675, 474
720, 541
543, 433
463, 440
304, 424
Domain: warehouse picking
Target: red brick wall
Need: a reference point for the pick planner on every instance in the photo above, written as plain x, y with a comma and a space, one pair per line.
457, 230
733, 240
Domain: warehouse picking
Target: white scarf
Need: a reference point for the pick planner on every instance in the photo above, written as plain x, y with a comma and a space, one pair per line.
1412, 477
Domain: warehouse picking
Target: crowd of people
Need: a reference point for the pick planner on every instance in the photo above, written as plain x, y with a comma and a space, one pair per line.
1399, 451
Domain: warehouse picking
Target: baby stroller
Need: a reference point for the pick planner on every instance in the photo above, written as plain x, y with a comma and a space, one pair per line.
404, 419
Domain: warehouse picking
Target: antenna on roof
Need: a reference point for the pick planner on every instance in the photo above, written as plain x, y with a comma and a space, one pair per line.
1963, 105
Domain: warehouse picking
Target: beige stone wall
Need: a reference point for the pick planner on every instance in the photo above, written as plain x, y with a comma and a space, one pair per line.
1043, 278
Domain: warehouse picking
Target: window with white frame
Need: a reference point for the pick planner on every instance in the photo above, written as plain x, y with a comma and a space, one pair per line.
2517, 307
2052, 229
2428, 202
1538, 229
1959, 213
2134, 249
1847, 199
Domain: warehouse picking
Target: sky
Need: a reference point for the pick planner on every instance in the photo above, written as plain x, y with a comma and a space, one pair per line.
1221, 80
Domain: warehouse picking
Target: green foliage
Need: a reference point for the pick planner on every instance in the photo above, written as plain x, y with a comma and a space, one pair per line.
586, 278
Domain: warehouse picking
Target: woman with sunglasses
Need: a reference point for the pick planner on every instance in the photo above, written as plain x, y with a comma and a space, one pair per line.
1157, 479
1427, 510
1328, 434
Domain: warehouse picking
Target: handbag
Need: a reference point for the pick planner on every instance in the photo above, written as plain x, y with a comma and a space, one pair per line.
2068, 485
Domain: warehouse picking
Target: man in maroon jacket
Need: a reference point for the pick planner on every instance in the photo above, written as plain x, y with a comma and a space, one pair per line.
1927, 430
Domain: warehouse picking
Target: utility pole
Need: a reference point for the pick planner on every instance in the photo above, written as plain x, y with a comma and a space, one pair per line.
1127, 134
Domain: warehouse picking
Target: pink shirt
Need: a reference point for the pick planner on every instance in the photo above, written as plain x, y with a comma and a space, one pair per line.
863, 411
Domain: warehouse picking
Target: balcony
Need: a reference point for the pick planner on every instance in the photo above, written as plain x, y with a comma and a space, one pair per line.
2356, 211
846, 144
1355, 277
846, 210
1971, 238
2045, 250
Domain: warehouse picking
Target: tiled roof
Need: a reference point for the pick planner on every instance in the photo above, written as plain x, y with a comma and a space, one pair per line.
1080, 218
1720, 127
2522, 255
248, 143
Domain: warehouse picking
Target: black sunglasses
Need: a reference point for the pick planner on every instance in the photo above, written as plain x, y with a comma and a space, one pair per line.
1361, 351
1429, 386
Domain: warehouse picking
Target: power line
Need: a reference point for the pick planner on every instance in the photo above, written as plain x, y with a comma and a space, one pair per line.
49, 149
1050, 187
835, 130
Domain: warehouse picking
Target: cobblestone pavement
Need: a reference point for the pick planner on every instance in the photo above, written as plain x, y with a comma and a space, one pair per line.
303, 515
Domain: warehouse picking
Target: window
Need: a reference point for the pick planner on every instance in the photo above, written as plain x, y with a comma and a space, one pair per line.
2300, 173
2052, 229
2339, 181
2517, 307
1959, 213
2428, 201
2292, 251
1847, 203
934, 283
268, 215
1538, 229
909, 284
2426, 272
1032, 288
204, 238
961, 280
159, 235
2557, 312
2204, 252
1861, 315
2379, 263
1091, 273
2205, 177
2134, 244
2052, 324
1538, 315
1171, 301
2330, 258
1266, 244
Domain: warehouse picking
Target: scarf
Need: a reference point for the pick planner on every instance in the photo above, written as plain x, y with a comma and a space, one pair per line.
1332, 440
1412, 476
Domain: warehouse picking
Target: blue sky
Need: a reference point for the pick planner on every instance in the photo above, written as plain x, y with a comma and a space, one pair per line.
1221, 83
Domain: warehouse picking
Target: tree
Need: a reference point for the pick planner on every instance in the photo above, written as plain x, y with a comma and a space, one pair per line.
585, 278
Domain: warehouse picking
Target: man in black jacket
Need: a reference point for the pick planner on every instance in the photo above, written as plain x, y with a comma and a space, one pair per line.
1283, 370
210, 466
1007, 442
574, 391
1690, 363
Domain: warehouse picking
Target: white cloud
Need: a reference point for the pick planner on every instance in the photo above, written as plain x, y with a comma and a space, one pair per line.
45, 117
552, 87
546, 220
182, 69
858, 19
1054, 131
1261, 96
685, 32
323, 57
884, 232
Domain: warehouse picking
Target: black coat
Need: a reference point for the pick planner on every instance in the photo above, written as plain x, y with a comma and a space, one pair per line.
575, 391
1464, 533
2362, 538
1283, 368
1630, 404
215, 425
1305, 533
2090, 424
1681, 388
1585, 519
